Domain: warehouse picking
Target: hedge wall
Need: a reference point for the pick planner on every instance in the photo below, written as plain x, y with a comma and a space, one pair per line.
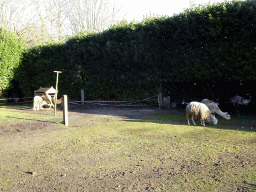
212, 43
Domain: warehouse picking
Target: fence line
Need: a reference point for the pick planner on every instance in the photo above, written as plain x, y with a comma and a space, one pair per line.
95, 102
116, 103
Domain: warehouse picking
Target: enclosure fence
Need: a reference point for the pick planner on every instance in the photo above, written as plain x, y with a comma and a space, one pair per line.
131, 103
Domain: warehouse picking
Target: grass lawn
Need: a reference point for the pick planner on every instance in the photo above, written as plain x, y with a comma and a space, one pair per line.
106, 153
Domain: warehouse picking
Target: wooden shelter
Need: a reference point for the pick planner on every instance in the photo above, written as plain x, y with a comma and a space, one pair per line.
48, 94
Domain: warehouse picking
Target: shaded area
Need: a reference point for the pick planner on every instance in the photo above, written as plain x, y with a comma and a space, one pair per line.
128, 112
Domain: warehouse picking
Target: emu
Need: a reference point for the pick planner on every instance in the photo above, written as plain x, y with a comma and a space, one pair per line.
238, 100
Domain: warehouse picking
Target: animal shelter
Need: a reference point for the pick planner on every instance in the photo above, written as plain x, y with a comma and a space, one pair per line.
48, 94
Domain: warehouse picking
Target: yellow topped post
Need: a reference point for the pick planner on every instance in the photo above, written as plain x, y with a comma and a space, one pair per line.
55, 103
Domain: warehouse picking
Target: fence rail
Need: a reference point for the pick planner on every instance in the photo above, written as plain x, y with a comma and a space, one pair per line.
131, 103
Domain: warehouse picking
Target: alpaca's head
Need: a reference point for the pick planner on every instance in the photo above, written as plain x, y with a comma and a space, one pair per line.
44, 103
212, 119
227, 116
245, 101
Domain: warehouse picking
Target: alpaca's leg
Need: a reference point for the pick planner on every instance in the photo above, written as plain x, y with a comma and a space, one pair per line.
237, 109
41, 106
193, 121
188, 122
36, 107
203, 123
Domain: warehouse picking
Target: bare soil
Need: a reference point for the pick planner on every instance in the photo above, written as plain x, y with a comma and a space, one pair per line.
135, 178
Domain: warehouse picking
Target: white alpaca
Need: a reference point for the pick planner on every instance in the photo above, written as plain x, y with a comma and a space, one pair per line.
38, 103
238, 100
196, 109
214, 108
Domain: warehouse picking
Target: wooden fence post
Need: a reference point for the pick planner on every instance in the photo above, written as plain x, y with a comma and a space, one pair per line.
65, 110
56, 94
82, 96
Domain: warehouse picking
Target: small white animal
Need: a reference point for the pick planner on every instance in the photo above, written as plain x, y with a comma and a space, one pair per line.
195, 109
38, 103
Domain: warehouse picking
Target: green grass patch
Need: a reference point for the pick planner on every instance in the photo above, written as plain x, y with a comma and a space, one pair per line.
161, 152
21, 113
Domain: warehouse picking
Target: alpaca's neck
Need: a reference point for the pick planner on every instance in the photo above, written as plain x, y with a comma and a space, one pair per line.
222, 114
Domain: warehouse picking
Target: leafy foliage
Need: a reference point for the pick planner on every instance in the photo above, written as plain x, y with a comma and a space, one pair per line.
11, 48
212, 43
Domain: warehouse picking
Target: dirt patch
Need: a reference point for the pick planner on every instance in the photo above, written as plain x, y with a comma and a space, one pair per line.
25, 126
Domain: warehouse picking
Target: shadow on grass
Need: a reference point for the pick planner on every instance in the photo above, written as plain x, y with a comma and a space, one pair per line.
25, 113
251, 186
26, 108
18, 106
247, 187
247, 122
19, 118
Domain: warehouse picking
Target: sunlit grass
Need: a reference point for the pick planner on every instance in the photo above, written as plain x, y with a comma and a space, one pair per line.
105, 147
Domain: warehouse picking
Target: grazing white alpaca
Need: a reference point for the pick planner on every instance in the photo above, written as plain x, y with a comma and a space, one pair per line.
214, 108
38, 103
196, 109
238, 100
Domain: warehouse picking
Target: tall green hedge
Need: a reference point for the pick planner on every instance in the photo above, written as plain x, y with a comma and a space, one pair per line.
11, 49
211, 43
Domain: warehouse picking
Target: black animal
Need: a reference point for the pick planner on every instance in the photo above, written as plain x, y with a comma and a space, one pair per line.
238, 100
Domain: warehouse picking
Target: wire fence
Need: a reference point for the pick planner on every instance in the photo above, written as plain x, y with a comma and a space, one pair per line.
131, 103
